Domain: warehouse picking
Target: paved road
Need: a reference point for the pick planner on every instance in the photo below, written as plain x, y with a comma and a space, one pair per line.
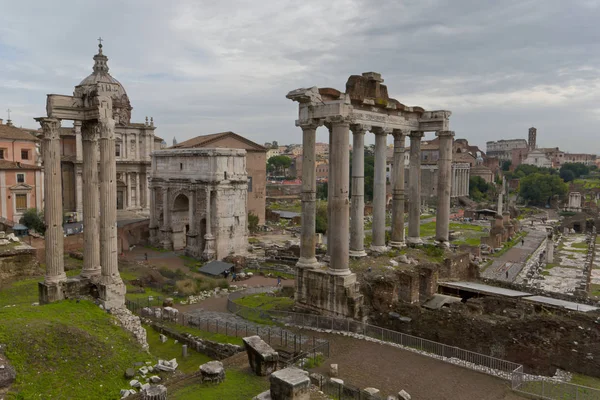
509, 265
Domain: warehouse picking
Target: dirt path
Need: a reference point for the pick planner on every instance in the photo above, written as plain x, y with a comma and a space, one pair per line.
389, 369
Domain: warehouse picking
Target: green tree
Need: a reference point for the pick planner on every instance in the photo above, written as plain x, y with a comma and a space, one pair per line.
33, 219
567, 175
322, 189
478, 188
279, 164
506, 165
321, 218
538, 189
577, 169
252, 222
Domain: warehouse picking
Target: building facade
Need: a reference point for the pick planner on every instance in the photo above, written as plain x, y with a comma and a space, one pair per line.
199, 200
256, 163
21, 178
135, 142
502, 149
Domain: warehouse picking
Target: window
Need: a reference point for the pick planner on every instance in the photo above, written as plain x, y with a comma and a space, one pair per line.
24, 154
1, 154
249, 184
20, 178
118, 150
21, 200
180, 166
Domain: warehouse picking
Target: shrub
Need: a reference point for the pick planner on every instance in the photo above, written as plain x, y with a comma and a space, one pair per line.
186, 287
252, 222
33, 220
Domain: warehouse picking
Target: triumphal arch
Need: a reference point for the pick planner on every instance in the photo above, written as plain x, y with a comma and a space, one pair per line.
364, 106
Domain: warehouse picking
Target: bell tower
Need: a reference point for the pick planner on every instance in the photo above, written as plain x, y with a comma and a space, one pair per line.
532, 138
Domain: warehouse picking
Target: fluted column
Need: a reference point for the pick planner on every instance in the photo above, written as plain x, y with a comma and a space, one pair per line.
113, 292
414, 204
339, 213
53, 205
357, 201
91, 255
329, 172
397, 239
166, 222
444, 186
379, 194
309, 197
79, 191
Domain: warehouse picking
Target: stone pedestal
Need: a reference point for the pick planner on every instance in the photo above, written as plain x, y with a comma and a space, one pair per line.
262, 358
158, 392
332, 295
212, 372
290, 384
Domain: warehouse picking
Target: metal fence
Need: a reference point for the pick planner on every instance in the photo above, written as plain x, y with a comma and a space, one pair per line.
342, 391
549, 390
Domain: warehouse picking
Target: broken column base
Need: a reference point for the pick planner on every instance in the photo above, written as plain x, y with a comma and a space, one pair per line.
69, 289
112, 293
287, 384
332, 295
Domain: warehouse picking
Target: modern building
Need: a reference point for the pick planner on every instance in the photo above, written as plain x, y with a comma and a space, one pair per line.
21, 178
256, 163
134, 144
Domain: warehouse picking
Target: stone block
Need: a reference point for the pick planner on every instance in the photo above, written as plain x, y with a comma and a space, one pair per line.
403, 395
158, 392
212, 371
262, 358
290, 384
371, 391
333, 370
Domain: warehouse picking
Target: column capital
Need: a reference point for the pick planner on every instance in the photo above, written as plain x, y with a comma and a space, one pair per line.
107, 128
400, 133
309, 123
416, 134
444, 134
90, 131
379, 130
50, 127
360, 129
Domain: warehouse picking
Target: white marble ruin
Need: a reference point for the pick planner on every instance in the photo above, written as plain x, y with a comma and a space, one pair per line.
574, 202
364, 107
198, 201
97, 104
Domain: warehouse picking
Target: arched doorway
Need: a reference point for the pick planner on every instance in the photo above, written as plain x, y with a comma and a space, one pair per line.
180, 221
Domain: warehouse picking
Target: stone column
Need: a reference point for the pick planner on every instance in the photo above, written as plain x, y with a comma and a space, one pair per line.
79, 191
414, 204
147, 186
209, 239
91, 255
166, 230
309, 197
138, 192
357, 202
112, 292
78, 142
192, 211
442, 218
137, 147
379, 195
339, 156
329, 190
129, 190
397, 172
149, 145
53, 205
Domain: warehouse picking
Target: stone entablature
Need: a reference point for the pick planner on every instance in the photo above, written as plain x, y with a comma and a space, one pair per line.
198, 201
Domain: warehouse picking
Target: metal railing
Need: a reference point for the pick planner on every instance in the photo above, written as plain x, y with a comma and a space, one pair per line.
552, 390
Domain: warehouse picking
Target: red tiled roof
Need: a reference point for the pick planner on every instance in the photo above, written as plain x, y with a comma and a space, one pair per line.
5, 164
14, 133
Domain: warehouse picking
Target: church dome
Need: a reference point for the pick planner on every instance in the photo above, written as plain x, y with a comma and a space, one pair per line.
121, 105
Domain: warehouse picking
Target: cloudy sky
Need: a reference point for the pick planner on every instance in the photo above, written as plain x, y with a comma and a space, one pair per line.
201, 67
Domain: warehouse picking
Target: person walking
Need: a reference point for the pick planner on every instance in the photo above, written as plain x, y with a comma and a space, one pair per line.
233, 277
522, 242
278, 281
146, 257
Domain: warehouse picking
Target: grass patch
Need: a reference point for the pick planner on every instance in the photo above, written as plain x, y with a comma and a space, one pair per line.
253, 240
294, 206
314, 362
265, 301
190, 262
67, 350
595, 290
20, 292
215, 337
585, 380
159, 249
170, 350
275, 274
238, 385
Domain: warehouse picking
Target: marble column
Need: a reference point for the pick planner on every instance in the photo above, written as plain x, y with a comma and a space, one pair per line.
329, 191
138, 192
78, 140
147, 201
442, 218
113, 291
137, 147
309, 197
79, 190
209, 239
379, 194
339, 213
91, 254
53, 205
397, 239
129, 190
414, 203
166, 230
357, 201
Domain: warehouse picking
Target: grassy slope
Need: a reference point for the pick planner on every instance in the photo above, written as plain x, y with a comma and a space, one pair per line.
67, 350
238, 385
170, 350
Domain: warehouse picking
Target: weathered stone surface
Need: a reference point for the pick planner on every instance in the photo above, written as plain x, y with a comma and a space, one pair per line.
212, 371
337, 380
131, 323
168, 366
129, 373
263, 358
371, 391
333, 370
158, 392
403, 395
290, 384
7, 373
